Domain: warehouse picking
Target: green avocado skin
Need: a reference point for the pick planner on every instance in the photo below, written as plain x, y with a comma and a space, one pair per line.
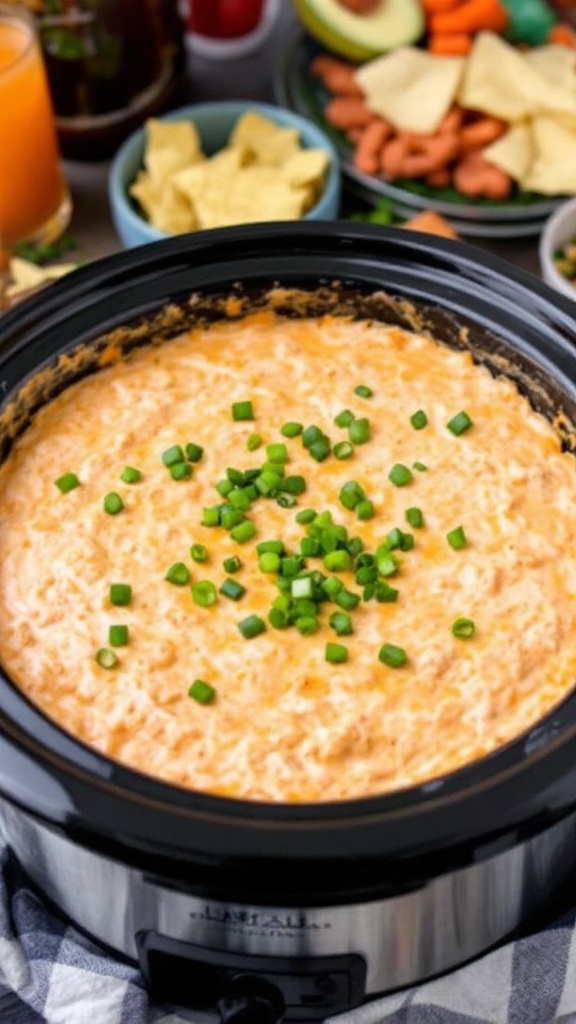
530, 21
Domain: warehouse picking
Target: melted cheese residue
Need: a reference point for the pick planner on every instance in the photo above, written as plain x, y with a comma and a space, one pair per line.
286, 725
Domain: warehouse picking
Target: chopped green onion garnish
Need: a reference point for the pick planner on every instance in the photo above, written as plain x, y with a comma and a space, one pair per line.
113, 503
277, 546
463, 628
181, 471
202, 692
242, 411
347, 600
400, 475
232, 564
301, 587
291, 429
344, 418
269, 562
194, 452
106, 658
239, 499
392, 656
310, 547
457, 538
366, 574
67, 482
118, 636
351, 494
232, 589
306, 624
384, 593
291, 566
359, 431
386, 562
337, 561
130, 475
253, 442
120, 594
231, 517
235, 476
365, 509
306, 515
199, 553
224, 487
211, 516
243, 531
251, 626
173, 455
320, 450
294, 484
341, 623
277, 453
363, 391
343, 450
419, 419
414, 517
336, 654
278, 618
459, 423
420, 467
179, 574
312, 434
204, 593
332, 586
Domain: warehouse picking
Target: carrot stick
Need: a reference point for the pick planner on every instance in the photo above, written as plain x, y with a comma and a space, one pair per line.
471, 16
562, 35
452, 44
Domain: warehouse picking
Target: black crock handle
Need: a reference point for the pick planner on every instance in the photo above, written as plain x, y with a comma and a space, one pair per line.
251, 1000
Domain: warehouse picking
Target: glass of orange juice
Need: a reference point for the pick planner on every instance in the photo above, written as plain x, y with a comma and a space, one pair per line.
35, 203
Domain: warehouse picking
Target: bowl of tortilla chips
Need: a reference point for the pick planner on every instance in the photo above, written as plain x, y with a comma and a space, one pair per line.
218, 164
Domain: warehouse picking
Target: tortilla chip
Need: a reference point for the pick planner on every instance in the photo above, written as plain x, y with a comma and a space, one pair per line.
26, 275
553, 170
411, 88
306, 167
556, 63
513, 152
264, 140
170, 145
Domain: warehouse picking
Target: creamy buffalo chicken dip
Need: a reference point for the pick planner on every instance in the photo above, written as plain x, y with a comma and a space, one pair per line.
290, 559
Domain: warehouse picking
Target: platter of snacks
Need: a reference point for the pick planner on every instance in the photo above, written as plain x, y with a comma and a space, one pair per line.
478, 125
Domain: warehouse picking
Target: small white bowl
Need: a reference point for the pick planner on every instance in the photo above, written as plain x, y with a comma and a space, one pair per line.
559, 229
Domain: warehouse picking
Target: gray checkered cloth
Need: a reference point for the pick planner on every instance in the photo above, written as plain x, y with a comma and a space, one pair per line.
50, 974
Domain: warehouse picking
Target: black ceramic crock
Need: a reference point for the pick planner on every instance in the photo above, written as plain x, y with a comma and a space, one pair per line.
402, 855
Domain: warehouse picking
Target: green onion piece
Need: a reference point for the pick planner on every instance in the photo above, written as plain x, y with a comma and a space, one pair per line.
235, 476
332, 537
306, 625
419, 419
344, 418
230, 516
400, 475
320, 450
194, 452
67, 482
337, 561
251, 626
254, 442
211, 516
173, 455
310, 547
239, 499
204, 593
294, 484
118, 636
232, 589
420, 467
301, 586
363, 391
106, 658
354, 546
113, 503
336, 654
225, 487
291, 566
351, 494
202, 692
286, 500
278, 618
341, 623
304, 606
179, 574
369, 592
332, 586
269, 562
384, 593
232, 564
268, 482
291, 429
394, 538
130, 475
386, 562
343, 450
277, 453
271, 467
120, 594
199, 553
392, 656
312, 434
242, 411
415, 517
181, 471
359, 431
277, 546
366, 574
463, 628
243, 531
457, 538
347, 600
459, 423
306, 515
365, 510
407, 542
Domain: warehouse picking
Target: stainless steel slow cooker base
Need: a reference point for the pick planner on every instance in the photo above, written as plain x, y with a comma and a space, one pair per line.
323, 959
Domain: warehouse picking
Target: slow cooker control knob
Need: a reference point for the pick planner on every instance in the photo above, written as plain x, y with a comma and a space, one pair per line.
251, 1000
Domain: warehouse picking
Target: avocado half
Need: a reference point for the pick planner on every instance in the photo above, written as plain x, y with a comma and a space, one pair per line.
360, 37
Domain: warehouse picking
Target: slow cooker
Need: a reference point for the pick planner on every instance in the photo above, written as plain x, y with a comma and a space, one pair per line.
267, 912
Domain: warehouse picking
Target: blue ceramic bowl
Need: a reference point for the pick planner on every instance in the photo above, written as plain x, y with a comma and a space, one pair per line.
214, 122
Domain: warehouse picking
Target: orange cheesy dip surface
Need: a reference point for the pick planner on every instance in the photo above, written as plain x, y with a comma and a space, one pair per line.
341, 673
